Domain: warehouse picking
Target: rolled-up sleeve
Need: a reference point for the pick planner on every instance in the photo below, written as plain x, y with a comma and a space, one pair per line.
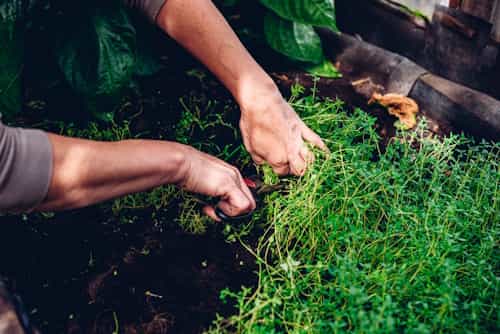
150, 7
25, 168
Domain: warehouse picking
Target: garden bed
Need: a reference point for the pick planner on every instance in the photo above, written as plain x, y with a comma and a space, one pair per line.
393, 231
371, 241
375, 238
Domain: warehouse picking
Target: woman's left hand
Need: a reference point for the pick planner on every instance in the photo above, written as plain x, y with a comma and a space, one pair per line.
273, 133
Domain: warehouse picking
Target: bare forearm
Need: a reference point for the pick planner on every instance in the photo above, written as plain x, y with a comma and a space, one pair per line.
201, 28
271, 130
87, 172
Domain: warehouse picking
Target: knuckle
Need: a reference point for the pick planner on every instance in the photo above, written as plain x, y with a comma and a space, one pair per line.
279, 163
249, 205
246, 208
231, 176
235, 171
241, 208
251, 150
280, 171
258, 161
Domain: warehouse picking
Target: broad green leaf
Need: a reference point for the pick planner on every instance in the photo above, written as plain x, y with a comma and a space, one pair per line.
147, 63
148, 58
319, 13
99, 59
325, 69
10, 67
14, 10
295, 40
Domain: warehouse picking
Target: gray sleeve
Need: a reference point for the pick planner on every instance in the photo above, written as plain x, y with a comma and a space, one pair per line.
25, 168
150, 7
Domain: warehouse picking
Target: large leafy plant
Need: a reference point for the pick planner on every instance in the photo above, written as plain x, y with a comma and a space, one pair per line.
289, 28
94, 46
101, 57
98, 59
10, 55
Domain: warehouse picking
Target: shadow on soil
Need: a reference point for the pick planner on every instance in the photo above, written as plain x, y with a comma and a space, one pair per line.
78, 274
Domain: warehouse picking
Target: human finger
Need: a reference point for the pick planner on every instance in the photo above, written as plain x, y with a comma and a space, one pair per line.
298, 164
258, 159
313, 138
307, 155
246, 190
235, 202
210, 212
281, 169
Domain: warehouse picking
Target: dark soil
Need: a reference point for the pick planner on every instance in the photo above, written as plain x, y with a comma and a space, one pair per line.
81, 271
77, 272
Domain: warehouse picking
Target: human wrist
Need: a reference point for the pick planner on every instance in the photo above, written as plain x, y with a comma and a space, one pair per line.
255, 91
175, 166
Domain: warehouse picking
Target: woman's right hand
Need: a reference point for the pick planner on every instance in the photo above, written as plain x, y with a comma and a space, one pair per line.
204, 174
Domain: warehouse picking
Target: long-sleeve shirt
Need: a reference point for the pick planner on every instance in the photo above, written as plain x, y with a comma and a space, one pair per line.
150, 7
26, 159
25, 168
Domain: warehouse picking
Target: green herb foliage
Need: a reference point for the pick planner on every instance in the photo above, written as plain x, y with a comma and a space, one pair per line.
370, 242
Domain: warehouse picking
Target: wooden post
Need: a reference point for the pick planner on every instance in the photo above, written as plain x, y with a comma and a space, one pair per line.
479, 8
424, 6
495, 19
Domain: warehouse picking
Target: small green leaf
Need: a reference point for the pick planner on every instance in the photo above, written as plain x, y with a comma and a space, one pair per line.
325, 69
319, 13
295, 40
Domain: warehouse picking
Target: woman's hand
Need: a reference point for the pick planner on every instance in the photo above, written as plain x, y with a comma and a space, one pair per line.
87, 172
207, 175
273, 133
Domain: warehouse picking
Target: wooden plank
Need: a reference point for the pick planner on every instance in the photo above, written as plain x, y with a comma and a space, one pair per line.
479, 8
495, 19
450, 52
424, 6
458, 107
371, 69
454, 46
